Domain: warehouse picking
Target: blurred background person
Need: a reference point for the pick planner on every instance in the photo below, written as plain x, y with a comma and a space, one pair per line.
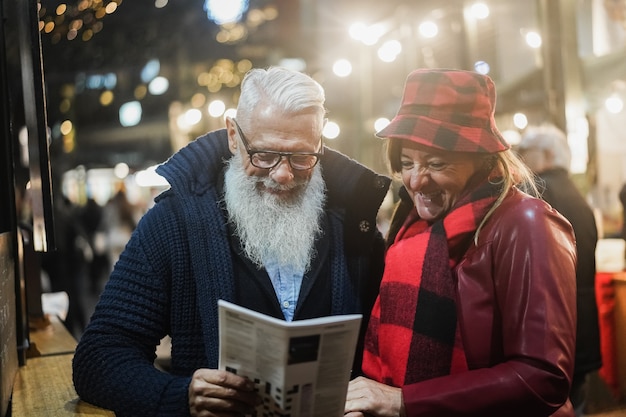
545, 150
119, 219
66, 266
91, 219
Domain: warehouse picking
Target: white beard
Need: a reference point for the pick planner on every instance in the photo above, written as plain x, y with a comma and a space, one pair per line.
272, 228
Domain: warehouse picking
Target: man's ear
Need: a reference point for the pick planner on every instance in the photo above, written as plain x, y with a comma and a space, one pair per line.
231, 131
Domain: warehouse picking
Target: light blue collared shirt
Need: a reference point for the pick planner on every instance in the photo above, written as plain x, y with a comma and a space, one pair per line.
287, 282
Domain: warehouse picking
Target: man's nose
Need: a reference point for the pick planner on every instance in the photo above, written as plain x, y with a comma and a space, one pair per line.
282, 173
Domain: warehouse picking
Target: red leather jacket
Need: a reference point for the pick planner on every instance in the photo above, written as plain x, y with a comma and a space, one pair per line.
516, 304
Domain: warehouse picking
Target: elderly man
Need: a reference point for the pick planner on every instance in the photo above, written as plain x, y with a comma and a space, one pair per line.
545, 151
261, 214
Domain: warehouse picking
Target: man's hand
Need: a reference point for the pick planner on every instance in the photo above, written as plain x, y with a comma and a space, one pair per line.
370, 398
215, 393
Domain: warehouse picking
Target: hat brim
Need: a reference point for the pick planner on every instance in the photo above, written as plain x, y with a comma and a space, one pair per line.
444, 136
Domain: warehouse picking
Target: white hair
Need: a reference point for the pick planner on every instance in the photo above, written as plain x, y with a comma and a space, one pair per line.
549, 138
282, 90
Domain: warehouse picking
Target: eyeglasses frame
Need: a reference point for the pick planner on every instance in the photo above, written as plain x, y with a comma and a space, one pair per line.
287, 155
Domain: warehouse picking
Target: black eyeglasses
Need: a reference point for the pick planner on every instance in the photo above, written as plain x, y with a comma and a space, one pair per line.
299, 161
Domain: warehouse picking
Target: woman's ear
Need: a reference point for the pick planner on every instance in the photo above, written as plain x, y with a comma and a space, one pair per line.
488, 163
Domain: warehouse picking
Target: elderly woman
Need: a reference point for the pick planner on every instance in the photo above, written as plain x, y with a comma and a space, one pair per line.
476, 314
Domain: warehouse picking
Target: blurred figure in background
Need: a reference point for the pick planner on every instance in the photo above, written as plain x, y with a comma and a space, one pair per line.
118, 223
545, 151
66, 265
91, 219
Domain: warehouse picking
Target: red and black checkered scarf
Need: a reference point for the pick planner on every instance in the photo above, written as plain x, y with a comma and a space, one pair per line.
413, 333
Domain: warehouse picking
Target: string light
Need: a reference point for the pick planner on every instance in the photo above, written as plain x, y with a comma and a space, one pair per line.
82, 20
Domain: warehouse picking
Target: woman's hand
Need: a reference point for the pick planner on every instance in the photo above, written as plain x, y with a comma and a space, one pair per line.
370, 398
216, 393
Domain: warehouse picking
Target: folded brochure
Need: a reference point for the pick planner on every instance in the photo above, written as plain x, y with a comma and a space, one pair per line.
300, 368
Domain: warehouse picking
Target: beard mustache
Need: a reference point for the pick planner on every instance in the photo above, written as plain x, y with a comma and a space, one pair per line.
275, 228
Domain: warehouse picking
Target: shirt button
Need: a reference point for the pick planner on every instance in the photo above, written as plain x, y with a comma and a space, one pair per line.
286, 304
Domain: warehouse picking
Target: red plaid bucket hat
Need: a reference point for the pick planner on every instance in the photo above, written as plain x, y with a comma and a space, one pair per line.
448, 109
